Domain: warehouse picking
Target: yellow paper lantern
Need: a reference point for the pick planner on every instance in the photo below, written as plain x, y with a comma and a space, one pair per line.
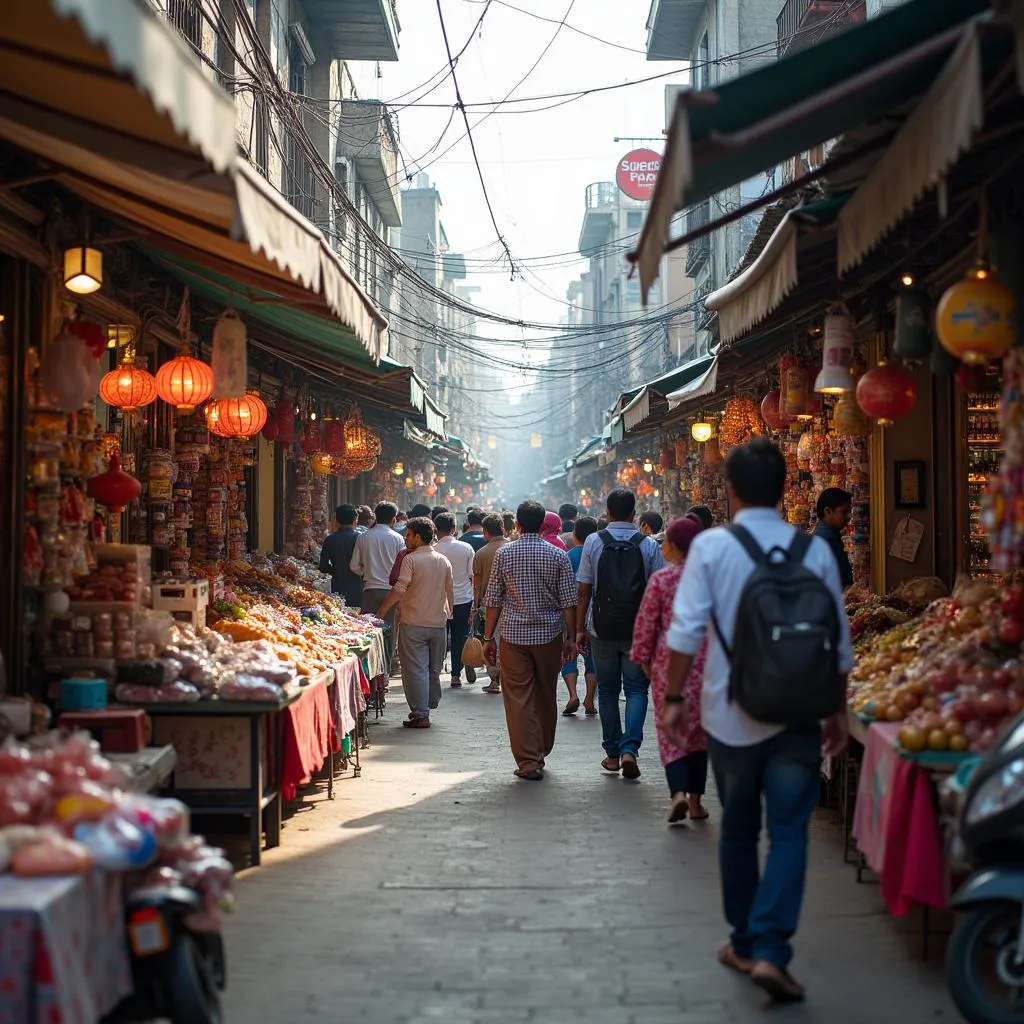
701, 431
83, 270
976, 318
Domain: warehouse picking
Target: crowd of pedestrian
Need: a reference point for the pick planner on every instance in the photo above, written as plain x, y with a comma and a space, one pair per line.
737, 631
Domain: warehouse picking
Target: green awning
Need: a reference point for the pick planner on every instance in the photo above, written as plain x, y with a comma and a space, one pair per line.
750, 124
327, 345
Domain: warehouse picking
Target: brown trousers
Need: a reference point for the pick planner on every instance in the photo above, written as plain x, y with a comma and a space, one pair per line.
529, 686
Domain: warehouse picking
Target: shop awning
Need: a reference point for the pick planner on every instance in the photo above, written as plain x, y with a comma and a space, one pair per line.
701, 387
113, 70
942, 126
722, 137
636, 406
747, 299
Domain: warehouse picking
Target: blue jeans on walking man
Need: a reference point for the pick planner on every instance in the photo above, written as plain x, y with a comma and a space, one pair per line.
615, 674
764, 909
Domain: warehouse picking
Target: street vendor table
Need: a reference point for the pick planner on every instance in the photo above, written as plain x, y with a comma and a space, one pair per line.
895, 822
242, 757
63, 958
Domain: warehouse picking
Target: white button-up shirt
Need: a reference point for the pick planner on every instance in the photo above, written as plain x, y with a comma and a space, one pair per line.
461, 556
374, 556
717, 567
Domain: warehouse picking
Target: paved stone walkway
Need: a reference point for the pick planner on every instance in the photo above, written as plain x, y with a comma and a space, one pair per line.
438, 887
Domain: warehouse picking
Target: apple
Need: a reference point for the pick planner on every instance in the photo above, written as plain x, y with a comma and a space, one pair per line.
1013, 603
993, 704
912, 738
1011, 632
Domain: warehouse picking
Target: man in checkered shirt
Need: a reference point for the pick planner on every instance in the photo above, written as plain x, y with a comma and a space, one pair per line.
534, 589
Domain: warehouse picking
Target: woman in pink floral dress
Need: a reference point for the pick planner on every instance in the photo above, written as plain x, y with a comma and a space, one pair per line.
686, 766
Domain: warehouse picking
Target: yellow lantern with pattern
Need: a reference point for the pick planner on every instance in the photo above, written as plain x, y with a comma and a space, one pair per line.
976, 319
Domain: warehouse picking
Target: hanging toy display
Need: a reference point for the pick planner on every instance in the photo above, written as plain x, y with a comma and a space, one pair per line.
1003, 504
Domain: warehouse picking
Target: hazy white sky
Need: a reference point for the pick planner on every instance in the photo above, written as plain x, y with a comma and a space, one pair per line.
536, 165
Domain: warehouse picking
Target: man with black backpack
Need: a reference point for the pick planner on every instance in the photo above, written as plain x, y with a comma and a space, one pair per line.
774, 699
614, 569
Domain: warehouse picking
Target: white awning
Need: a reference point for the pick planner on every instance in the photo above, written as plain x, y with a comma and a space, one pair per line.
761, 288
702, 387
940, 129
115, 67
637, 410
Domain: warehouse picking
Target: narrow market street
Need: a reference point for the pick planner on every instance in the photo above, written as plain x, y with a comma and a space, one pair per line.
437, 887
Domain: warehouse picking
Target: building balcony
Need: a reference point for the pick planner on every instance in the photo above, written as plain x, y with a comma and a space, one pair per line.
367, 137
672, 28
699, 250
802, 23
601, 204
354, 29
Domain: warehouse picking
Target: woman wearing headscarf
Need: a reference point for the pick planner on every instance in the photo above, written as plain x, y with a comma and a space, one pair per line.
551, 529
686, 765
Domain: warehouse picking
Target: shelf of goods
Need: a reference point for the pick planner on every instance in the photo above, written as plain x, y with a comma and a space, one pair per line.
952, 673
983, 452
76, 837
703, 482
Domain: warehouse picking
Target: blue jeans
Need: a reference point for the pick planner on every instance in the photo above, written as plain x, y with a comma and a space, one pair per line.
763, 910
615, 673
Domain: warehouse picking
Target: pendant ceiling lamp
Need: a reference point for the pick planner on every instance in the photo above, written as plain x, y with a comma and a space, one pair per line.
976, 318
83, 269
836, 356
128, 387
184, 381
913, 323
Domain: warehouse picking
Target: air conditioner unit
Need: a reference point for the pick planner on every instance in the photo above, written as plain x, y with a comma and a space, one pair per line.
302, 42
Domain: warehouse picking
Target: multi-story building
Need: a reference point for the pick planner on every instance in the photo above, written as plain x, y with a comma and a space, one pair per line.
721, 39
433, 334
301, 121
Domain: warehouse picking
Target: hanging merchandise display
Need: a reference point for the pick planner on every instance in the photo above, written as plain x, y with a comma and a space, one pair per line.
68, 372
284, 417
229, 358
848, 420
361, 443
976, 318
740, 422
712, 452
795, 389
837, 356
1003, 504
913, 338
886, 393
312, 439
334, 437
237, 417
128, 387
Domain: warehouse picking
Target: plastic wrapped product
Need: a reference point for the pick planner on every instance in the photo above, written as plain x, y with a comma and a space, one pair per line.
171, 693
52, 856
243, 686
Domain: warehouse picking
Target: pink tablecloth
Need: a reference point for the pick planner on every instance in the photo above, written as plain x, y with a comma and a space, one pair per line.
896, 826
63, 958
308, 736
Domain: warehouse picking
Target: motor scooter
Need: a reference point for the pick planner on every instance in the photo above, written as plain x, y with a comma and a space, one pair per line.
178, 969
985, 958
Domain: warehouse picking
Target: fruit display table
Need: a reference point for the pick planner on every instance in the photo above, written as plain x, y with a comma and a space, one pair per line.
895, 821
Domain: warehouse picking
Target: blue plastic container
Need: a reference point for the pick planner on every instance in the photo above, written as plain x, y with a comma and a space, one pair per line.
83, 694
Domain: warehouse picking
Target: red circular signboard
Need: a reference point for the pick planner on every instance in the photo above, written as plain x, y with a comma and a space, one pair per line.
637, 172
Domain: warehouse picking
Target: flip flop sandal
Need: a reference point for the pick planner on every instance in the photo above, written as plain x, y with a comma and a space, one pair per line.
572, 707
778, 983
678, 812
700, 816
591, 712
728, 957
607, 766
630, 769
534, 776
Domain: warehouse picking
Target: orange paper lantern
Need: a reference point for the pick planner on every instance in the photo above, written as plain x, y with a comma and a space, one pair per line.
128, 387
184, 382
236, 417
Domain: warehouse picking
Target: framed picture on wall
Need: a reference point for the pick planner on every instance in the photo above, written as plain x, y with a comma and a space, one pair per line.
908, 484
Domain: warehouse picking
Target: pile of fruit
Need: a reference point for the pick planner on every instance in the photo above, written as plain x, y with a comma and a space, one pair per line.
954, 675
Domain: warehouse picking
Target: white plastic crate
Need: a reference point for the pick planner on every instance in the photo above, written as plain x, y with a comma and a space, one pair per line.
182, 596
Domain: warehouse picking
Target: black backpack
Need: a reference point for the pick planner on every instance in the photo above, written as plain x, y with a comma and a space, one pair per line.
784, 661
620, 585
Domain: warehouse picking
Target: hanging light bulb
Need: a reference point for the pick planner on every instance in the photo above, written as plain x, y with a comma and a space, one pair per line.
837, 356
398, 469
83, 269
648, 466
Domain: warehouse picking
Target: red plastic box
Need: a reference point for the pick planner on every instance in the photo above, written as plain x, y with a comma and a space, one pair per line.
119, 730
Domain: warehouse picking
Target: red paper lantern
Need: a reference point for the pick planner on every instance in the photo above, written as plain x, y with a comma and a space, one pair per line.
115, 489
312, 438
886, 393
970, 378
284, 414
184, 382
128, 387
236, 417
666, 458
271, 430
771, 412
334, 437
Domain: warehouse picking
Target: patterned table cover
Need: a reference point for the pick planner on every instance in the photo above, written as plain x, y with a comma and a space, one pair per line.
63, 956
